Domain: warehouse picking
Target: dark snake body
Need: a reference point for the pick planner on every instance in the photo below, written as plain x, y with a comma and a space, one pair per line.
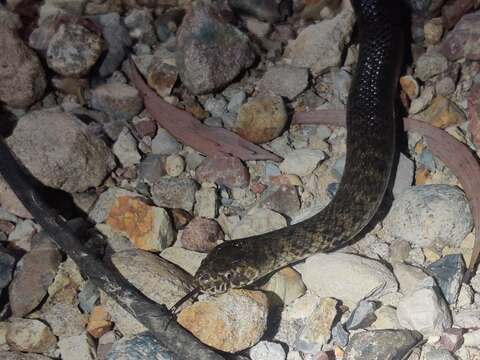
370, 154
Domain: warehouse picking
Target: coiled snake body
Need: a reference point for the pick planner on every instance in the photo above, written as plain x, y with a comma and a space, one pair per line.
370, 154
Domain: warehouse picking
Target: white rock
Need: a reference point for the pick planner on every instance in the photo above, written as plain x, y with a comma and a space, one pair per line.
430, 215
266, 350
472, 338
206, 201
301, 162
424, 310
174, 165
188, 260
408, 276
125, 149
386, 318
404, 175
80, 347
258, 221
347, 277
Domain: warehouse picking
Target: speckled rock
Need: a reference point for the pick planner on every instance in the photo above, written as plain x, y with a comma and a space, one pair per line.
206, 202
443, 113
65, 319
430, 64
101, 209
223, 170
140, 24
433, 30
261, 119
231, 322
143, 346
463, 40
355, 277
7, 355
258, 221
320, 46
302, 161
59, 151
164, 143
201, 235
211, 52
266, 350
284, 80
386, 318
125, 149
381, 344
162, 77
174, 165
79, 347
151, 168
73, 50
30, 335
282, 199
119, 101
174, 193
23, 78
430, 215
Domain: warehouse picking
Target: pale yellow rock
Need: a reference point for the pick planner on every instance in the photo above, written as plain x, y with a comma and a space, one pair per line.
287, 284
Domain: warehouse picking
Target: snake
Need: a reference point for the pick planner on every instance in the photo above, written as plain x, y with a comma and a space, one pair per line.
371, 146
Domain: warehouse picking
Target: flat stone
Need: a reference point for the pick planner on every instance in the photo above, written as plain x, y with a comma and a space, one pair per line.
223, 170
430, 64
151, 169
186, 259
284, 80
7, 355
164, 143
362, 316
386, 318
282, 199
258, 221
79, 347
443, 113
174, 193
101, 209
301, 162
206, 202
29, 335
65, 319
119, 101
408, 276
287, 284
448, 273
7, 265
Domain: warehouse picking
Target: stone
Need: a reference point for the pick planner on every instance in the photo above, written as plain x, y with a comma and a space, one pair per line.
212, 52
230, 322
216, 106
236, 101
162, 77
22, 234
266, 350
206, 201
472, 338
433, 30
386, 318
404, 175
423, 309
11, 205
185, 259
281, 199
125, 149
30, 335
223, 170
7, 355
452, 339
355, 277
65, 319
258, 221
445, 87
35, 272
462, 41
340, 336
261, 119
438, 354
164, 143
141, 346
201, 235
410, 85
147, 227
259, 28
362, 316
174, 165
106, 200
430, 64
60, 152
302, 162
140, 24
23, 77
287, 284
381, 344
99, 322
174, 193
119, 101
88, 296
443, 113
158, 279
466, 318
320, 46
151, 169
7, 265
73, 50
408, 276
448, 273
430, 215
79, 347
284, 80
420, 103
317, 330
266, 10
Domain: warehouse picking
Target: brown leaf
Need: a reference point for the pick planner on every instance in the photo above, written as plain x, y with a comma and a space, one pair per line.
182, 125
451, 152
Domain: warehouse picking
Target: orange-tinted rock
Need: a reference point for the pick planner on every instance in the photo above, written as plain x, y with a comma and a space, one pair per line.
223, 170
99, 322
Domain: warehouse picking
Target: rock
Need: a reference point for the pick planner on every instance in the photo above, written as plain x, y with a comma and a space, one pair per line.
386, 318
30, 335
174, 165
420, 103
216, 106
22, 234
266, 350
80, 347
11, 205
448, 273
362, 316
60, 152
443, 113
433, 30
142, 346
381, 344
116, 39
236, 101
223, 170
88, 296
452, 339
287, 284
73, 50
410, 85
140, 24
65, 320
284, 80
230, 322
472, 338
404, 175
259, 28
119, 101
282, 199
430, 215
340, 336
162, 77
7, 265
465, 297
355, 277
174, 193
317, 328
151, 169
23, 77
125, 149
206, 201
106, 200
301, 162
164, 143
35, 272
466, 318
6, 355
261, 119
258, 221
463, 40
430, 64
266, 10
201, 235
147, 227
99, 322
423, 309
320, 46
158, 279
186, 259
445, 86
408, 276
438, 354
211, 52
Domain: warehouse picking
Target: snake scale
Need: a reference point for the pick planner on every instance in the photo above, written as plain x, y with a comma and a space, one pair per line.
370, 154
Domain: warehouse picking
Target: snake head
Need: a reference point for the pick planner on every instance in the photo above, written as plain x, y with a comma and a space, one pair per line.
225, 267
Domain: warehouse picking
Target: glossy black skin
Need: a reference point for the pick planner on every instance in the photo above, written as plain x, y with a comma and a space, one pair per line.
370, 155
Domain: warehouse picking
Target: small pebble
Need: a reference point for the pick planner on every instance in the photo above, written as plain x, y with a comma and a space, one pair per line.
174, 165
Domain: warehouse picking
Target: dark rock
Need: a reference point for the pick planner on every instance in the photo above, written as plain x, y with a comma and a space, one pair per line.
7, 264
362, 316
283, 199
223, 170
174, 193
151, 168
88, 297
425, 8
340, 335
201, 235
332, 189
453, 10
142, 346
267, 10
119, 101
211, 52
381, 345
448, 273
